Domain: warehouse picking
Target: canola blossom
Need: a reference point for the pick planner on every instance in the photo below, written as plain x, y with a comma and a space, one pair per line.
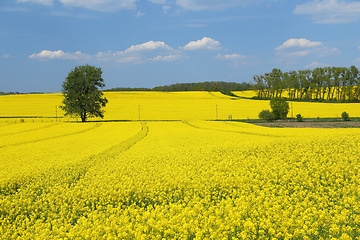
143, 106
177, 180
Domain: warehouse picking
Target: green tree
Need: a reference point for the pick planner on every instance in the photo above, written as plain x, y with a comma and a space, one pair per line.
82, 98
345, 116
280, 108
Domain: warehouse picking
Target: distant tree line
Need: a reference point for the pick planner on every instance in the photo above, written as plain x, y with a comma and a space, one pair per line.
9, 93
205, 86
126, 89
327, 83
224, 87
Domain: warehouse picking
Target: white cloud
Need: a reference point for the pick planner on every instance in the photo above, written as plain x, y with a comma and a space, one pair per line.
229, 56
300, 42
315, 65
294, 53
97, 5
59, 54
151, 45
119, 57
197, 5
42, 2
237, 60
139, 14
167, 58
330, 11
359, 47
302, 47
101, 5
140, 53
205, 43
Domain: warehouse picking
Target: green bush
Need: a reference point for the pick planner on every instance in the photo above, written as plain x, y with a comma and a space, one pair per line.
280, 108
266, 115
345, 116
299, 118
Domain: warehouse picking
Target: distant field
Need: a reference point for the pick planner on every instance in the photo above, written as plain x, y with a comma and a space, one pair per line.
167, 106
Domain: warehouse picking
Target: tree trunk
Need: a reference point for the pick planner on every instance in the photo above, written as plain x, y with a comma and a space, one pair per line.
83, 116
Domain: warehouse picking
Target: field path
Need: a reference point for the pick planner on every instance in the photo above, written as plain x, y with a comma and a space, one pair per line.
248, 132
27, 130
51, 137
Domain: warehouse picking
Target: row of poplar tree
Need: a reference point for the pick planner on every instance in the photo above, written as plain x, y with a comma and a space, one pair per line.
327, 83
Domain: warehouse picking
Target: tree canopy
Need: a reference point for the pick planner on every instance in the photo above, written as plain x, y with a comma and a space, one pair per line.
327, 83
280, 108
82, 98
224, 87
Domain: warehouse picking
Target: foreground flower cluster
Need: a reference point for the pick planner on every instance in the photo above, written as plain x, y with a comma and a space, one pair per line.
178, 180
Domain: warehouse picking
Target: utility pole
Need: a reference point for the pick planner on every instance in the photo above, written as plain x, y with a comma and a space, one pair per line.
217, 116
55, 113
139, 112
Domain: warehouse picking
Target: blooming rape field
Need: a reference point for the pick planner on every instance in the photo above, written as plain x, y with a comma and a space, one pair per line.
182, 179
164, 106
177, 180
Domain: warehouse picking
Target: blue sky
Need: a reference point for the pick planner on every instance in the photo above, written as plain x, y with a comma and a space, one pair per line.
147, 43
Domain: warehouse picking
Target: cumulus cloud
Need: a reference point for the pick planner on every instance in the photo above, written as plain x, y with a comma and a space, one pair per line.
205, 43
330, 11
229, 56
119, 57
197, 5
300, 42
139, 14
148, 46
59, 54
167, 58
139, 53
302, 47
148, 51
103, 5
236, 60
97, 5
315, 65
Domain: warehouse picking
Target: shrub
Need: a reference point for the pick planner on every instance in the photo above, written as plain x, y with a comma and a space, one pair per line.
299, 118
266, 115
280, 108
345, 116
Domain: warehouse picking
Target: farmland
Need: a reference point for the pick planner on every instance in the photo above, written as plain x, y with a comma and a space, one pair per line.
182, 179
166, 106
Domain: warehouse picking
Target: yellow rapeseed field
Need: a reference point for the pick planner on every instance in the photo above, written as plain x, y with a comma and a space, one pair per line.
165, 106
183, 179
